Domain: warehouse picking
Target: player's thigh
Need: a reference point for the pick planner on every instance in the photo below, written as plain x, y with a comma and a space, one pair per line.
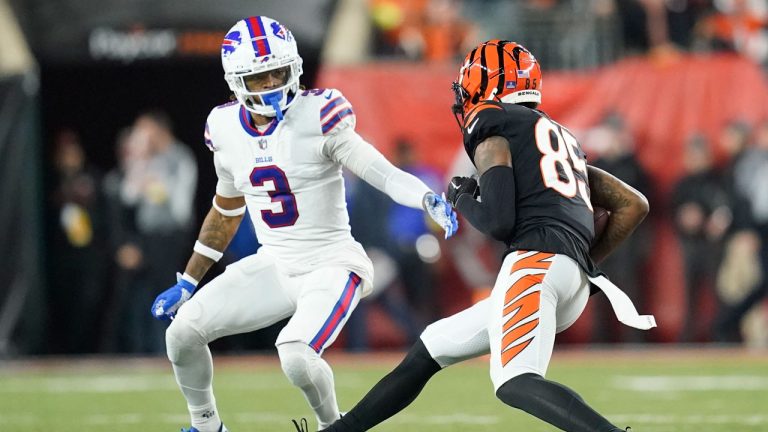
524, 309
326, 298
573, 292
251, 294
459, 337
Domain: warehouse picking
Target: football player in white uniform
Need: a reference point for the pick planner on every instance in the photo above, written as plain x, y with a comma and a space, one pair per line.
279, 150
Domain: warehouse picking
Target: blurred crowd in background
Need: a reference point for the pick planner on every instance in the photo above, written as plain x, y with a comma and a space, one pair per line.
443, 30
117, 235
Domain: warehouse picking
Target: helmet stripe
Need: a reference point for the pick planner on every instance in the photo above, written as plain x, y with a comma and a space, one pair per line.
258, 36
500, 53
516, 55
472, 56
483, 72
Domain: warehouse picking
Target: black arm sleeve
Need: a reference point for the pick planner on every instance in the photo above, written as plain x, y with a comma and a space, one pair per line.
495, 215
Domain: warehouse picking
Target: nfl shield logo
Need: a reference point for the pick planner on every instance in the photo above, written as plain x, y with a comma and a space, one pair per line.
263, 143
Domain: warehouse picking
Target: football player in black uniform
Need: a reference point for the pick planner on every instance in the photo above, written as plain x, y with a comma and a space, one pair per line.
536, 194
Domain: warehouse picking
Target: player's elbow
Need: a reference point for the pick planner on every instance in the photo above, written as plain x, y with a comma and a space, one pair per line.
640, 205
501, 227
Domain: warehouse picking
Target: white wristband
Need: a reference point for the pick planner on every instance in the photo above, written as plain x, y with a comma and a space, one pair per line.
228, 213
207, 252
189, 279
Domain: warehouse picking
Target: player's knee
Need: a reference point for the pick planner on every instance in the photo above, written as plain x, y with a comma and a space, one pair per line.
515, 391
181, 336
442, 354
296, 359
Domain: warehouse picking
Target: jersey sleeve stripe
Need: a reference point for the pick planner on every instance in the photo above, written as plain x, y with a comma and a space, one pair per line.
335, 119
481, 107
330, 106
208, 139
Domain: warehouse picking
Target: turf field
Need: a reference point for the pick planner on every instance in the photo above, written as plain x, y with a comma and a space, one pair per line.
651, 390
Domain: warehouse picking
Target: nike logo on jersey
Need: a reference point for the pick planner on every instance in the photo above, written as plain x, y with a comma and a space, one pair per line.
329, 95
472, 126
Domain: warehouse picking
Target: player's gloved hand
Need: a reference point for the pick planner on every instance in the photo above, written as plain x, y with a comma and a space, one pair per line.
460, 186
441, 212
168, 302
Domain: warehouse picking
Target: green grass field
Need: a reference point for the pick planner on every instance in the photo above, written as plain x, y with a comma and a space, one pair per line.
650, 390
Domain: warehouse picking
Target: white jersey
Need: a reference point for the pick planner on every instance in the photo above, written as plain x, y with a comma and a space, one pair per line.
291, 177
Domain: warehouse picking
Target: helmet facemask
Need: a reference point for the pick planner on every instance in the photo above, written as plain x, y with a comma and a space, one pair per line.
270, 101
460, 96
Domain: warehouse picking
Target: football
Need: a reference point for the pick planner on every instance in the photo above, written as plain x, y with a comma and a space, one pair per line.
600, 216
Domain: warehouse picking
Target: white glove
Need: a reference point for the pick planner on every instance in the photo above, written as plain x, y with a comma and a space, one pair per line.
441, 212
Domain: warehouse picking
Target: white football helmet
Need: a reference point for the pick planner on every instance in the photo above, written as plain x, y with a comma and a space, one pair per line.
256, 45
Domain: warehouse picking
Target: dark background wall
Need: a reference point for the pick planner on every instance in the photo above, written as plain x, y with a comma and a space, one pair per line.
156, 54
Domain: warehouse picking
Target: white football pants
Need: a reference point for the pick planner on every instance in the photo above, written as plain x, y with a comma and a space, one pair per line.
536, 295
252, 294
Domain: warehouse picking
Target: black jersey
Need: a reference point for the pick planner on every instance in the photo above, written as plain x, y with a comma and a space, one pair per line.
553, 213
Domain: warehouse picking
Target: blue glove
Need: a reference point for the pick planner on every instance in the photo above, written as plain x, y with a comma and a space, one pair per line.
441, 212
169, 301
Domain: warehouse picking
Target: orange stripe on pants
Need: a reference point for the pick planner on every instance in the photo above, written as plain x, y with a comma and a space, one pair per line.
535, 261
523, 307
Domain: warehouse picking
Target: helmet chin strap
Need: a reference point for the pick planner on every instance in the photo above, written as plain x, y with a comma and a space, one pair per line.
274, 100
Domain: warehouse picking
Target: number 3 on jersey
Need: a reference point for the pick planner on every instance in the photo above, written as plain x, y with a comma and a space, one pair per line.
281, 193
565, 157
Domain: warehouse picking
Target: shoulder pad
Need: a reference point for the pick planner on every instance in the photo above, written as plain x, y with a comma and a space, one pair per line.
335, 112
482, 106
483, 121
216, 117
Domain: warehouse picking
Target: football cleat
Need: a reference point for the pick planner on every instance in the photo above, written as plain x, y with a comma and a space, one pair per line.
301, 425
222, 428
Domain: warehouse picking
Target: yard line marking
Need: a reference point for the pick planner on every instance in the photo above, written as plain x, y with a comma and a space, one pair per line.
271, 417
116, 384
662, 383
456, 418
19, 419
664, 419
99, 384
122, 419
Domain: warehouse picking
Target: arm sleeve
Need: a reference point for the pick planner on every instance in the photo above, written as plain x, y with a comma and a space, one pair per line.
225, 186
360, 157
496, 214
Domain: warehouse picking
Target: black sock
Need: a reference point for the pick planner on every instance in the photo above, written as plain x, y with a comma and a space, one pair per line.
392, 394
553, 403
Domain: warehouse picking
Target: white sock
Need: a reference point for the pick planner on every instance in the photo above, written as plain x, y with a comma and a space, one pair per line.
193, 367
205, 418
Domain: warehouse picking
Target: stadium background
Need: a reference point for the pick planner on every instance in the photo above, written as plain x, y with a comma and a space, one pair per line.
93, 66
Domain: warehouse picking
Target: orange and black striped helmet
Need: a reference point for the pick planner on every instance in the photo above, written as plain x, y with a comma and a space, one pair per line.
497, 70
